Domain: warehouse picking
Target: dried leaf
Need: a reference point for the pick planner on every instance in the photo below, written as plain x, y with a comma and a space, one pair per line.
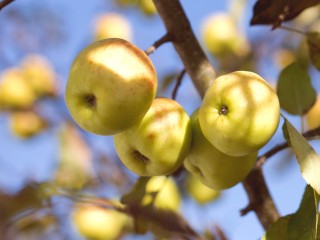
274, 12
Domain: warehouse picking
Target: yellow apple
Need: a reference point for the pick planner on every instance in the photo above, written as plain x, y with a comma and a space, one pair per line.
147, 7
221, 35
111, 86
40, 74
26, 124
313, 115
212, 167
159, 143
15, 90
97, 223
112, 25
240, 113
199, 191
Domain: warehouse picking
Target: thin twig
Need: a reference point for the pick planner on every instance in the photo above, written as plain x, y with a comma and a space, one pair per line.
5, 3
164, 39
178, 83
293, 30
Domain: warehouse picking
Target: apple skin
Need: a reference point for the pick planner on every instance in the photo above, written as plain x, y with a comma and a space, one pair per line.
240, 113
15, 90
221, 35
313, 115
212, 167
159, 143
26, 124
111, 86
112, 25
200, 192
97, 223
40, 74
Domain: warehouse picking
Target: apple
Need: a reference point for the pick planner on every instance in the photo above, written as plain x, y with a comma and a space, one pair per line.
159, 143
313, 115
168, 196
40, 74
211, 166
200, 192
97, 223
221, 35
111, 86
26, 124
112, 25
240, 113
15, 90
147, 7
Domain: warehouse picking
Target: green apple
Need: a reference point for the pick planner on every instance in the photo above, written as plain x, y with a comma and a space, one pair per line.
212, 167
168, 196
111, 86
199, 191
147, 7
159, 143
240, 113
97, 223
26, 124
112, 25
313, 115
221, 35
40, 74
15, 90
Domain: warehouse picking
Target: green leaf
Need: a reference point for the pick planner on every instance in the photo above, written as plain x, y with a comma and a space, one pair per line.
308, 159
295, 91
278, 230
303, 224
313, 40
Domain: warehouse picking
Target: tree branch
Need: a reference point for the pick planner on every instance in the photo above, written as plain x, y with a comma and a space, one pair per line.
202, 74
5, 3
194, 59
166, 38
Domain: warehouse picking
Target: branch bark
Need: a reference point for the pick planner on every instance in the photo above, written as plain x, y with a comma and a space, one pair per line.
5, 3
194, 59
202, 74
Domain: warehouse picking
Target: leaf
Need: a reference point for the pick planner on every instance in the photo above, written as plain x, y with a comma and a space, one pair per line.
303, 224
295, 91
277, 11
278, 230
313, 41
308, 159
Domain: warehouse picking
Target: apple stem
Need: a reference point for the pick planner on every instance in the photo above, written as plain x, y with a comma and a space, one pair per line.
224, 110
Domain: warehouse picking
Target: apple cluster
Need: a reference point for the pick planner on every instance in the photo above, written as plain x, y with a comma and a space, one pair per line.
112, 88
21, 87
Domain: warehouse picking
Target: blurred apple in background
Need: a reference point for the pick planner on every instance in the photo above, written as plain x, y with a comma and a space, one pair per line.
200, 192
112, 25
40, 73
158, 144
313, 115
26, 124
15, 90
147, 7
221, 35
97, 223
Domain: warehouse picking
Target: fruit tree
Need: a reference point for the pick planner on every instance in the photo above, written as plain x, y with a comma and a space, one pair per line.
160, 119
